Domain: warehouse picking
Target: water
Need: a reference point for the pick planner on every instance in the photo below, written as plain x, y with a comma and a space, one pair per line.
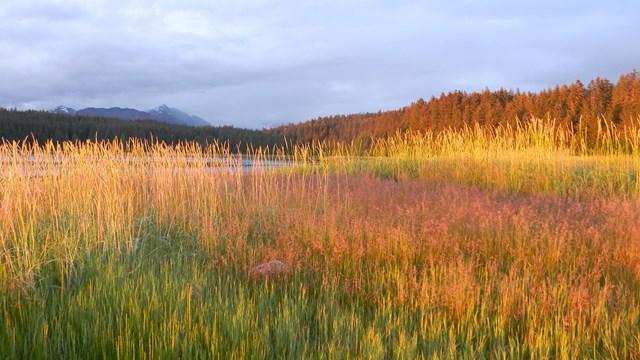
35, 166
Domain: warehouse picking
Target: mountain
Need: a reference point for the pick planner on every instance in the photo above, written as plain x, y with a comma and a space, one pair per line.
63, 110
115, 112
165, 114
162, 113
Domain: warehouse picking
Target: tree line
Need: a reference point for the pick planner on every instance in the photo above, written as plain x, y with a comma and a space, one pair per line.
42, 126
570, 106
573, 106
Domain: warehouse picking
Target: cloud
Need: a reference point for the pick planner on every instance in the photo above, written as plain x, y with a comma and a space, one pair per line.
250, 62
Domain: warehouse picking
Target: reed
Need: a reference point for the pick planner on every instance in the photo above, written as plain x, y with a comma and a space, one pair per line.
507, 242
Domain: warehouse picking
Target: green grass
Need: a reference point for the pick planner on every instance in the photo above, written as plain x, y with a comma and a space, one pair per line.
163, 300
160, 301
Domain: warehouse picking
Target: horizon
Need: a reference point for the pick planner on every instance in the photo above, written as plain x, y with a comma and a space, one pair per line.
257, 64
267, 126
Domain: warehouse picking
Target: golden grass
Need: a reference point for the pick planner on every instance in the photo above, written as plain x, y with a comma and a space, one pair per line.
481, 243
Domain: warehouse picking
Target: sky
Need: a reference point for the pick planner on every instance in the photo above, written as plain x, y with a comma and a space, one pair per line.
261, 63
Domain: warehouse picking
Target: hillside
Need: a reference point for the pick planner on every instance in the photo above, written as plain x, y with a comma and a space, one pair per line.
42, 126
569, 106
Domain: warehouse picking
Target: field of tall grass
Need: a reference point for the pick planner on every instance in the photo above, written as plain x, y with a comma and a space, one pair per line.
481, 243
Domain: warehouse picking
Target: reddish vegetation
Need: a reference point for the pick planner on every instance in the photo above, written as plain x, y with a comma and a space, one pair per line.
446, 245
571, 106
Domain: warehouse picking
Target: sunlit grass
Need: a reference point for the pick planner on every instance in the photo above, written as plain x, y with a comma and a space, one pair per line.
481, 243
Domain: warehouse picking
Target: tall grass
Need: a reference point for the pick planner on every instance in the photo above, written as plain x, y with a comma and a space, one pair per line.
509, 242
531, 157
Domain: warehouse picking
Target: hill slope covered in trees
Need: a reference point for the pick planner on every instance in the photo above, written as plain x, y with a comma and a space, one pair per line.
568, 105
42, 126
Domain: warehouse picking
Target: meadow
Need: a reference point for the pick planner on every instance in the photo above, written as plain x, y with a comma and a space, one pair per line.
510, 242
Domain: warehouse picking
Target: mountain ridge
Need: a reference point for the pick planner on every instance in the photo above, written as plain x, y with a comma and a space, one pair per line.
162, 113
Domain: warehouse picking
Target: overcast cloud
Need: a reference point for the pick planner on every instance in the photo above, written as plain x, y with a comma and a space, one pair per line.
261, 62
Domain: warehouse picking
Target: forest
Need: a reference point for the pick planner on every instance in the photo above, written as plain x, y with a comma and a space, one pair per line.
42, 126
570, 106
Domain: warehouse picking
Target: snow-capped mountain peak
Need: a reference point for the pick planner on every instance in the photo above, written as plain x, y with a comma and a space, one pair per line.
175, 116
63, 110
161, 109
